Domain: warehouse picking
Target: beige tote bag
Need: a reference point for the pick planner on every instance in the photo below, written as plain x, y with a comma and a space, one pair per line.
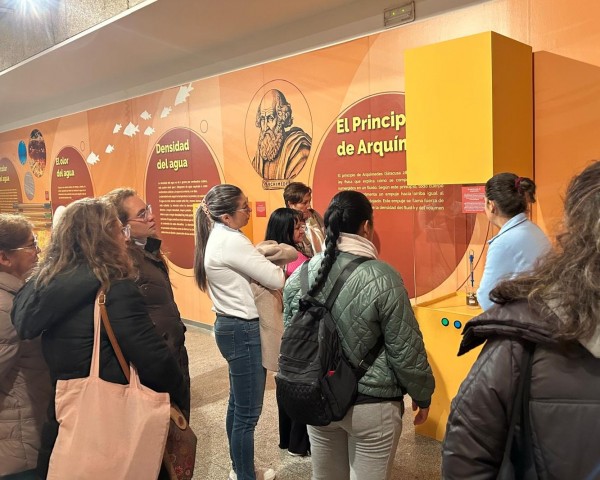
107, 430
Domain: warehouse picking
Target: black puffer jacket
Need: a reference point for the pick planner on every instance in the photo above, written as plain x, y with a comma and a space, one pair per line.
154, 283
63, 312
564, 403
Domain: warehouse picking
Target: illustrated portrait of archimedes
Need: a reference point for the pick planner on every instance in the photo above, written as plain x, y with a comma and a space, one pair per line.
282, 148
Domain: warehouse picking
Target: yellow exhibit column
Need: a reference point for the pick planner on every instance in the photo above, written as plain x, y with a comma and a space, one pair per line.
441, 322
469, 110
469, 115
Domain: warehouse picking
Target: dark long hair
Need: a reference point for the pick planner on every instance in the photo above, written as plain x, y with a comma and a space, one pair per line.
220, 200
347, 211
511, 194
567, 280
282, 223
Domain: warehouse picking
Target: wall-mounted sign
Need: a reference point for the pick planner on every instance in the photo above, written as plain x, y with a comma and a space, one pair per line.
260, 209
180, 171
70, 179
473, 199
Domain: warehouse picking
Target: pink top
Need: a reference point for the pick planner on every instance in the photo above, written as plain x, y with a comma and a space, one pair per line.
290, 267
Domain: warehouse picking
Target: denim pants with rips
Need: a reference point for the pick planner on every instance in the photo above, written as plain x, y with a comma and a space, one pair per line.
239, 343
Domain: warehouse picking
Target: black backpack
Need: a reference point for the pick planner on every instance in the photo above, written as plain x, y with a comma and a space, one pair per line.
316, 384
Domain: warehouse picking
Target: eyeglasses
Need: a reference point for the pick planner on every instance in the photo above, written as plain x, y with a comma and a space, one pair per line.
126, 231
33, 246
143, 215
245, 209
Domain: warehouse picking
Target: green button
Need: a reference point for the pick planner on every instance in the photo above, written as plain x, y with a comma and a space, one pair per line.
445, 322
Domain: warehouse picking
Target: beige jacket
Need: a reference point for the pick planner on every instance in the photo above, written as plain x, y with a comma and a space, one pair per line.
269, 304
25, 389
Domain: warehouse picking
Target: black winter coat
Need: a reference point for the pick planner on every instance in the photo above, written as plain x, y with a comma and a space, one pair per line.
564, 400
63, 313
154, 283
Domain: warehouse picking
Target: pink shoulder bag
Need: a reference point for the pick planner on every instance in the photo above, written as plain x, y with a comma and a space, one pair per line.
107, 430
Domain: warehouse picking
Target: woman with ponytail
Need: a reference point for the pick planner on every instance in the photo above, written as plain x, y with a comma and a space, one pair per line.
520, 242
552, 312
224, 265
372, 303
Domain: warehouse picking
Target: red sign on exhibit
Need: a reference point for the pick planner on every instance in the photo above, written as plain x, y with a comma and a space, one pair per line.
261, 209
473, 199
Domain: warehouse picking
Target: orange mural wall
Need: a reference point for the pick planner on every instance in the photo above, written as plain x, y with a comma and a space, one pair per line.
346, 129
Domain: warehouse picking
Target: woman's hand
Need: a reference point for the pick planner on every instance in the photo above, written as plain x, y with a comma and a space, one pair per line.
421, 415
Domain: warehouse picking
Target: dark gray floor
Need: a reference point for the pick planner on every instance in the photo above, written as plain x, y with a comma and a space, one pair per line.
417, 458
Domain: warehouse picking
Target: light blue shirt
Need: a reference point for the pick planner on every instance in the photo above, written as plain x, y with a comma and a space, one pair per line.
515, 249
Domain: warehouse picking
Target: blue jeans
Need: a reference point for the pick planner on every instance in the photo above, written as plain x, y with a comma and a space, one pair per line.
239, 343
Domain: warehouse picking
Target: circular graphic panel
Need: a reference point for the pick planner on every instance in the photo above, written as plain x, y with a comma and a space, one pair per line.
70, 179
181, 170
420, 230
29, 185
37, 153
22, 152
10, 188
278, 133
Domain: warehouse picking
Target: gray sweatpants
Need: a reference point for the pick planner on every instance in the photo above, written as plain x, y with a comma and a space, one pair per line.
361, 446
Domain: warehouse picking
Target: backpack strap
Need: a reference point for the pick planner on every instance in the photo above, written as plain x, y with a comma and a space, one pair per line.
343, 276
369, 358
373, 353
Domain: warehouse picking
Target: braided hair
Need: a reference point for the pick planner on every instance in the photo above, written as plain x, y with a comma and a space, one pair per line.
347, 211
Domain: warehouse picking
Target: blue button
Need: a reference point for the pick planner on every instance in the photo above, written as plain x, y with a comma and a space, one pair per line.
457, 324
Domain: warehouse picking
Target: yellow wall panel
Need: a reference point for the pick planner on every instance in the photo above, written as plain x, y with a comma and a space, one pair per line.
469, 110
512, 87
441, 322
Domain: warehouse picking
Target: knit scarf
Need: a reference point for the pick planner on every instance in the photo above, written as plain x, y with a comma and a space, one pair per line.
356, 245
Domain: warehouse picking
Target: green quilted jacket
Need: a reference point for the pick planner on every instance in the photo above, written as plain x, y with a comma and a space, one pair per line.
373, 301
